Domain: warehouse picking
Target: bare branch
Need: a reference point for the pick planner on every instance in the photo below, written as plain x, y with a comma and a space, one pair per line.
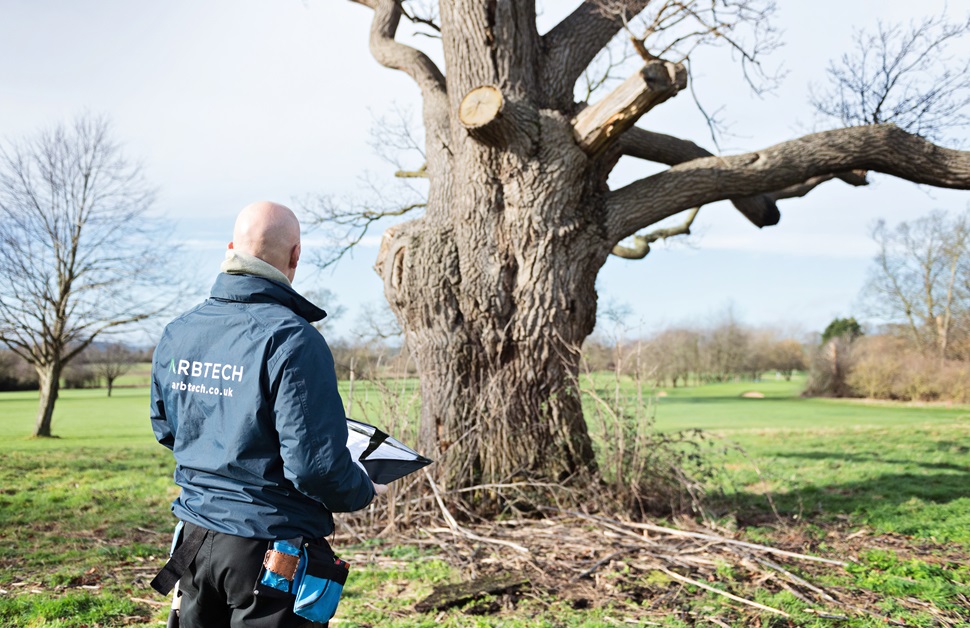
715, 126
398, 56
605, 69
882, 148
346, 224
396, 138
904, 76
429, 19
641, 246
674, 29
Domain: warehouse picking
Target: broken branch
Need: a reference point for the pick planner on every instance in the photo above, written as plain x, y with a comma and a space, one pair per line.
599, 125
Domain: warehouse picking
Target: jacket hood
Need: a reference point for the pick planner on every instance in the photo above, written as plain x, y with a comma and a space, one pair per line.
252, 289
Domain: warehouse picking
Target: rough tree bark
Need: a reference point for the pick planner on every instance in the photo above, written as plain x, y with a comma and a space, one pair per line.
494, 285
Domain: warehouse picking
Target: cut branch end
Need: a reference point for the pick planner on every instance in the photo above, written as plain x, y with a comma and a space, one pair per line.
599, 125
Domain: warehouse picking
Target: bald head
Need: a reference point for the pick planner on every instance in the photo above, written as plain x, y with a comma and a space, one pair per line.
271, 232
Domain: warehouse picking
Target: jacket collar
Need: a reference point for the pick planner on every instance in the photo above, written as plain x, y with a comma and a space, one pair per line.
239, 263
253, 289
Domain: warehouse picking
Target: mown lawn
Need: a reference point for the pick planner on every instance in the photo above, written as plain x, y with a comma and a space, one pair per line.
895, 467
84, 518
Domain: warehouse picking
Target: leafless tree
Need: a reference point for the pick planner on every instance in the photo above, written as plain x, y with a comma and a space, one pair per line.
902, 75
80, 256
111, 361
725, 348
786, 356
674, 354
326, 299
920, 280
493, 275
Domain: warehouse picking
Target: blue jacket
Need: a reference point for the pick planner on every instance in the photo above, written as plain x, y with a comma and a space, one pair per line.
245, 394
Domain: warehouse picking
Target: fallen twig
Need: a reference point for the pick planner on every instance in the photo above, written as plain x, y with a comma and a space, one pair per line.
602, 562
457, 529
677, 576
700, 535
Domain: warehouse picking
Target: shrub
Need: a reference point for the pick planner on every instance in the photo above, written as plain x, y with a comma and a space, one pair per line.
878, 367
887, 367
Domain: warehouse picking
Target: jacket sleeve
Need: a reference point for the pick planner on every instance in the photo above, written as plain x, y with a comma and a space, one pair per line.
312, 427
160, 424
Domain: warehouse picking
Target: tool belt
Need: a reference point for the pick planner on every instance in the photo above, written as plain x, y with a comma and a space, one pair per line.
185, 546
309, 571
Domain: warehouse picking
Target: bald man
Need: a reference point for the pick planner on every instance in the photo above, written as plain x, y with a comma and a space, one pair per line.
244, 393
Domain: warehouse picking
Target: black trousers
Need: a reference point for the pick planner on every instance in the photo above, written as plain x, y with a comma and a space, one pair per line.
217, 589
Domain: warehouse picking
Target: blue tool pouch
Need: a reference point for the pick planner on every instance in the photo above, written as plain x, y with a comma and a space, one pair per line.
319, 583
310, 572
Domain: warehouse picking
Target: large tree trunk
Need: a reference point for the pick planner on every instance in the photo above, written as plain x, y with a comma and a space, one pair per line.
49, 376
495, 288
494, 285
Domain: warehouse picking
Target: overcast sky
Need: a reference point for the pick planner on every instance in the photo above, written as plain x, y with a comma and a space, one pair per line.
230, 101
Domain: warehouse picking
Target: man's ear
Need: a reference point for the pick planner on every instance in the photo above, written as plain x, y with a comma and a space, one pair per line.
230, 246
295, 256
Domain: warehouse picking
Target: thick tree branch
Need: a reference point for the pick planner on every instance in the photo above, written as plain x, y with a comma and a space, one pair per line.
667, 149
397, 56
761, 210
658, 147
599, 125
882, 148
573, 43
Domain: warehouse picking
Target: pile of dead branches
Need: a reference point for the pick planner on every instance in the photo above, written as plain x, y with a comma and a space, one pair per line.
649, 570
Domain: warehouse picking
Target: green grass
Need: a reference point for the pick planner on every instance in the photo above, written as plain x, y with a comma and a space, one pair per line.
720, 407
85, 521
82, 418
894, 467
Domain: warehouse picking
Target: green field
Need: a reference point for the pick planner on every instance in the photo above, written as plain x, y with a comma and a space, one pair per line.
84, 518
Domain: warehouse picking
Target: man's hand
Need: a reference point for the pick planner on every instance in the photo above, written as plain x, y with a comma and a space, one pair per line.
380, 489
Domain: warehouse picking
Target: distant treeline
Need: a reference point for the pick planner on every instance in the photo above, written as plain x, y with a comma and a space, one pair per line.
96, 366
686, 355
841, 362
844, 361
15, 373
